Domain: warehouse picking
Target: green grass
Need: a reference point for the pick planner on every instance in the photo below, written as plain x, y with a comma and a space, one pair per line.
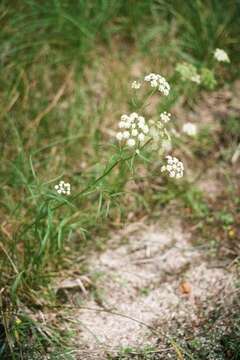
214, 341
203, 26
32, 341
64, 69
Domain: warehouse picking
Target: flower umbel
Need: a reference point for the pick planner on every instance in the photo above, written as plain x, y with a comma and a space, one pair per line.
134, 129
174, 167
159, 81
165, 117
136, 85
221, 55
63, 188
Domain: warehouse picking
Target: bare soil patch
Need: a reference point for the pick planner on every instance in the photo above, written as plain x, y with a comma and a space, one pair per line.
146, 284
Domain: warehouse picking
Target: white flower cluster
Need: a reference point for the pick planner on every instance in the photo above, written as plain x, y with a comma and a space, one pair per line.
136, 85
165, 117
63, 188
174, 167
221, 55
134, 129
189, 128
159, 81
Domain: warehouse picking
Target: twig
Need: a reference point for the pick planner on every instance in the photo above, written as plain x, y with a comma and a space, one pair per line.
35, 122
157, 333
10, 260
10, 105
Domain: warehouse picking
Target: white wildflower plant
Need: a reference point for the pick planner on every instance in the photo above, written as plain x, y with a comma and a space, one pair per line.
63, 188
135, 130
138, 130
221, 55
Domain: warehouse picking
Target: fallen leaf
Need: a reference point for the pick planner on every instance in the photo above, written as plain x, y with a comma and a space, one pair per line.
185, 287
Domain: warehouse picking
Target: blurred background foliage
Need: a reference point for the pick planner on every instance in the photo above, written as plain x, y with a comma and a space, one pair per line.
71, 28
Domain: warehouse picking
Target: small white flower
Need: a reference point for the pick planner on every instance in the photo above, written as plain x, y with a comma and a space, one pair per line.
63, 188
131, 142
136, 85
133, 116
134, 132
165, 117
124, 117
149, 77
119, 136
174, 167
221, 55
154, 83
127, 124
170, 160
126, 134
190, 129
141, 137
141, 120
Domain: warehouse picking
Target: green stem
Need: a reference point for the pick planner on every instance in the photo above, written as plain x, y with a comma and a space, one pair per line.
88, 187
147, 98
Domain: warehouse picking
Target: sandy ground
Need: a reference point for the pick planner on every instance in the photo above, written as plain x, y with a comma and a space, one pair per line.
146, 284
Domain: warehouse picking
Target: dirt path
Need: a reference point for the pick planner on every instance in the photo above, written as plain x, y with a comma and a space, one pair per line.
146, 284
